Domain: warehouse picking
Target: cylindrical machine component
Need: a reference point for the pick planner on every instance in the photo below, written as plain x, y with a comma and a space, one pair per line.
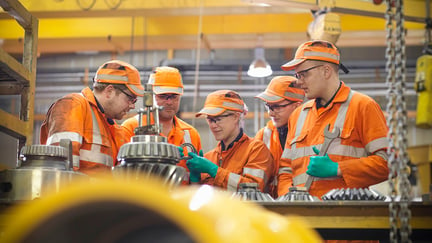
353, 194
148, 153
297, 194
42, 170
250, 192
423, 86
113, 211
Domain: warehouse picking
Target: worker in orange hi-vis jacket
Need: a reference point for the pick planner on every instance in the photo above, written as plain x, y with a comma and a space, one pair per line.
87, 118
281, 97
237, 158
168, 88
357, 158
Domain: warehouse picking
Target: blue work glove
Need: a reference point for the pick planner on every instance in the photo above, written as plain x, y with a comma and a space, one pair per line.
322, 166
202, 165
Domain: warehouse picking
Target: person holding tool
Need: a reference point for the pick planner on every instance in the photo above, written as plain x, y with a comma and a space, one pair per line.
281, 97
168, 88
357, 158
87, 118
237, 158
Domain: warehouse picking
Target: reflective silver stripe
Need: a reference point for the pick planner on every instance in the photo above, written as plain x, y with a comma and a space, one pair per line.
294, 95
233, 181
112, 77
286, 153
383, 154
266, 136
96, 157
300, 122
321, 54
255, 172
343, 109
56, 137
159, 89
285, 170
187, 137
96, 131
270, 98
335, 147
233, 105
377, 144
135, 88
302, 178
76, 160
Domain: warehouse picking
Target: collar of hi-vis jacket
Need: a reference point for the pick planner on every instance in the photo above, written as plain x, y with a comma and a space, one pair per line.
237, 139
89, 95
341, 96
176, 132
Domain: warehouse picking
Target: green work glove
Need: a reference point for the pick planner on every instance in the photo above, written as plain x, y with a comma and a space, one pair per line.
181, 150
201, 164
194, 176
322, 166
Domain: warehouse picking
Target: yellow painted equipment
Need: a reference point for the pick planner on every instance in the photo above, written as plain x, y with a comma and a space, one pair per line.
325, 26
423, 86
147, 211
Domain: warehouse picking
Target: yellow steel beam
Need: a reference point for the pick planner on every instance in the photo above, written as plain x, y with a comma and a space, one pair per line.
64, 27
413, 9
186, 25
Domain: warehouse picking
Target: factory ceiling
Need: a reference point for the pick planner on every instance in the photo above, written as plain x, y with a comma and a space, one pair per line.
91, 26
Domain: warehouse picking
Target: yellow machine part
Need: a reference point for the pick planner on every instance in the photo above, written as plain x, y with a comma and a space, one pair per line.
325, 27
423, 85
146, 211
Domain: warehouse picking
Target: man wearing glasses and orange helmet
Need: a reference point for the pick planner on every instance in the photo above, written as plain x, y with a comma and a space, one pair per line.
281, 97
357, 158
87, 118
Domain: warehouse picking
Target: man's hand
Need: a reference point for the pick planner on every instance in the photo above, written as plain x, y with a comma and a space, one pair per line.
322, 166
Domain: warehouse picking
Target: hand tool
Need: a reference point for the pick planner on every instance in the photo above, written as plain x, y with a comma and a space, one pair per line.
328, 138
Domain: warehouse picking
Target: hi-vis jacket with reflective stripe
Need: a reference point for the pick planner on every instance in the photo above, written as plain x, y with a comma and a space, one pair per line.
360, 150
248, 160
181, 133
78, 118
270, 136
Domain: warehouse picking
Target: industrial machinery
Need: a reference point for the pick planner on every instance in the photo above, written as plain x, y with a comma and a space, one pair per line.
250, 192
423, 86
41, 170
148, 152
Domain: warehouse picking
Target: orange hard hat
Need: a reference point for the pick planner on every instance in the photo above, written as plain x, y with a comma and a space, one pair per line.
119, 72
219, 101
166, 80
319, 50
282, 87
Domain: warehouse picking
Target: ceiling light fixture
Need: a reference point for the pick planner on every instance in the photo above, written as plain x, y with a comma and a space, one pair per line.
259, 68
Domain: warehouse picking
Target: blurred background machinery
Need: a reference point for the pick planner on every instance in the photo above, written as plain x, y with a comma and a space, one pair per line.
42, 170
